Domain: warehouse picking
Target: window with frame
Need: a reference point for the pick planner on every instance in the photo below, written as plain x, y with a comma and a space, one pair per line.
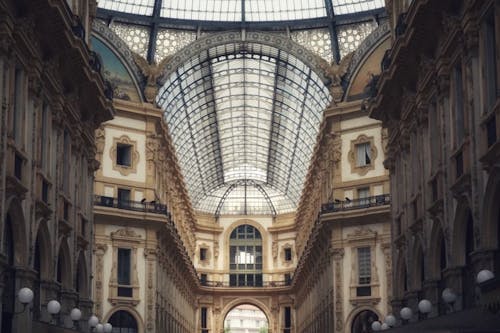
245, 257
459, 103
203, 254
123, 155
123, 271
490, 64
363, 195
18, 103
363, 154
288, 254
123, 197
364, 271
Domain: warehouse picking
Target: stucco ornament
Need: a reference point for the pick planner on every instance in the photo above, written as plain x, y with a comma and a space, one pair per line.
335, 72
151, 72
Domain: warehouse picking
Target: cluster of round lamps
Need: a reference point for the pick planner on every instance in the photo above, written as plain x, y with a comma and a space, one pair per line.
25, 296
425, 306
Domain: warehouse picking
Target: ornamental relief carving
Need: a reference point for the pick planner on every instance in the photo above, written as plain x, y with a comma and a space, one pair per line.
123, 169
351, 155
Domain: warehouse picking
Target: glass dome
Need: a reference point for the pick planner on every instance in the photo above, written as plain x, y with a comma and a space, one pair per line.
240, 10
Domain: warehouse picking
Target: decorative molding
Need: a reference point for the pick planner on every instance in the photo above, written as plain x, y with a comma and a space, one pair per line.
351, 155
122, 169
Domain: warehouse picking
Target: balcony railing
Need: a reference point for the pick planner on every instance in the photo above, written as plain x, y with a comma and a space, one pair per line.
227, 284
138, 206
344, 205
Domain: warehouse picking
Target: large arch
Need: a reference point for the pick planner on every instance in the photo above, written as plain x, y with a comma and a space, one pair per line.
64, 269
282, 42
490, 228
82, 285
15, 213
417, 265
246, 300
437, 258
463, 231
355, 313
129, 310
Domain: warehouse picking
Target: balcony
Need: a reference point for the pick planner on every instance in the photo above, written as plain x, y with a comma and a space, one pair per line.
346, 205
138, 206
257, 284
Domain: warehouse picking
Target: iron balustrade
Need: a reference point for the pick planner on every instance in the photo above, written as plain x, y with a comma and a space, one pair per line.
344, 205
138, 206
227, 284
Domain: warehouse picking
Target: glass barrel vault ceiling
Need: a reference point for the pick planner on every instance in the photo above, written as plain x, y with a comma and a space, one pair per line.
244, 119
240, 10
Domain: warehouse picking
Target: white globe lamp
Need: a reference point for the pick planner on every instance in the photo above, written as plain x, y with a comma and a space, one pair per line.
93, 321
390, 320
448, 296
53, 307
424, 306
99, 328
75, 314
384, 327
25, 296
484, 276
376, 326
108, 328
406, 313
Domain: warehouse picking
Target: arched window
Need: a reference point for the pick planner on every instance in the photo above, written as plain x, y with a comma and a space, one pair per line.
362, 323
468, 276
123, 322
245, 257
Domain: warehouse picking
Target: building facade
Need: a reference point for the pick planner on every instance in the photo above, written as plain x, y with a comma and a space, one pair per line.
443, 157
53, 98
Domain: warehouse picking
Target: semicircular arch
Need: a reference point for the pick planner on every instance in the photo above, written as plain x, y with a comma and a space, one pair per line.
248, 301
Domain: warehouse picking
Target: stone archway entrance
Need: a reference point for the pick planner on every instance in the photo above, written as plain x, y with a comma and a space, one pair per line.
246, 318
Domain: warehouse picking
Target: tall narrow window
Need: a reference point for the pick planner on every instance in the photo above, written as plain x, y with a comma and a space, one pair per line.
124, 257
459, 104
204, 320
434, 136
490, 68
287, 320
18, 104
288, 254
363, 157
44, 138
123, 198
66, 161
245, 262
364, 271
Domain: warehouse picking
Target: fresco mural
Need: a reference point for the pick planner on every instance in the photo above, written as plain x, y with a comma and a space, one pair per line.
115, 72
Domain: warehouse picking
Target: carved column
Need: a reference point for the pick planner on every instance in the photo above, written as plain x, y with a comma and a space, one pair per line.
338, 255
99, 251
386, 249
150, 255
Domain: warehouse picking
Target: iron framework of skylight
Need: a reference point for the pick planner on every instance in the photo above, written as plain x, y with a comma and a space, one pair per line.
215, 15
244, 119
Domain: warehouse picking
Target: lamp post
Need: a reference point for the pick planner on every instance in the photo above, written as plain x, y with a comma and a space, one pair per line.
76, 315
406, 314
25, 297
390, 320
53, 307
449, 297
425, 307
376, 326
484, 276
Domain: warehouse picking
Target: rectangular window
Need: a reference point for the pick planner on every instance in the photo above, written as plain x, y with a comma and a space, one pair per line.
434, 137
203, 254
123, 198
66, 161
287, 319
363, 152
363, 195
204, 320
288, 254
459, 104
18, 104
203, 279
490, 68
364, 265
123, 154
124, 256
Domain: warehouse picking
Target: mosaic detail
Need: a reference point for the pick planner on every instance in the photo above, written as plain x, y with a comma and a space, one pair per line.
136, 37
170, 41
350, 36
318, 41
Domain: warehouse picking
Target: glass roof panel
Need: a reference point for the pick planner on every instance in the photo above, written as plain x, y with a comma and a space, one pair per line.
283, 10
242, 128
354, 6
140, 7
202, 10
